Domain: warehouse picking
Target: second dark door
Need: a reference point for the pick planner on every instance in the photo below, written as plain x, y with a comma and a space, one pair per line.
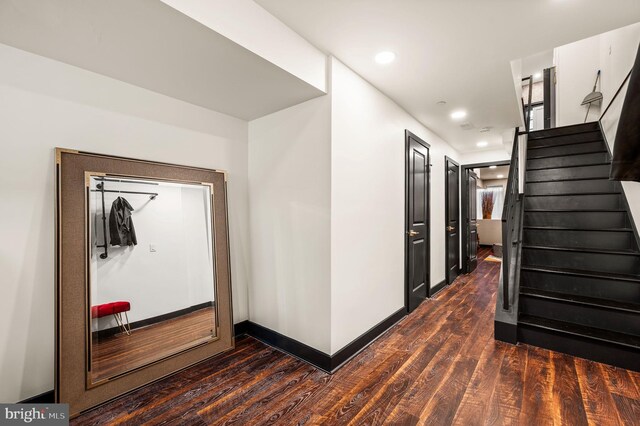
452, 219
472, 223
417, 206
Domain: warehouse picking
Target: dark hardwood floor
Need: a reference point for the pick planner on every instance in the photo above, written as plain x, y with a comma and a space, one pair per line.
440, 366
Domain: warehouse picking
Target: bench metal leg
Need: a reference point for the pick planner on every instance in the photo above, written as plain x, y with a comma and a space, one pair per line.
124, 328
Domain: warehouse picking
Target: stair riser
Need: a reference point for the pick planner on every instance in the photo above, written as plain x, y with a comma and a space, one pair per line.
581, 347
619, 290
577, 220
590, 316
567, 139
580, 239
572, 187
566, 149
560, 131
584, 172
570, 161
598, 262
575, 202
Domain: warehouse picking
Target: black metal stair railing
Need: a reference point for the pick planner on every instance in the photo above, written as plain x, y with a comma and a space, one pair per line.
510, 232
512, 210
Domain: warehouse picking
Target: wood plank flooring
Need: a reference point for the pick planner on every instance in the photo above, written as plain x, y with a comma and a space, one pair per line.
120, 353
439, 366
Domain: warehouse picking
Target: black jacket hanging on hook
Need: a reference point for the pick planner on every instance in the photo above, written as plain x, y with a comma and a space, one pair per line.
121, 228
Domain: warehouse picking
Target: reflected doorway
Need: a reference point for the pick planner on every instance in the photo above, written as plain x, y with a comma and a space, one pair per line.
483, 190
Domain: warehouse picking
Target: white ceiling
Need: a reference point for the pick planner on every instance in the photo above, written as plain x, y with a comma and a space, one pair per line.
149, 44
458, 51
487, 173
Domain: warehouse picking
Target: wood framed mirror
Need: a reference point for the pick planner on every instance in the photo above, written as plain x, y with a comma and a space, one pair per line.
143, 276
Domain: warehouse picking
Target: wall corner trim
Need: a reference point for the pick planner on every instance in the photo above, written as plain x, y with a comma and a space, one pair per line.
241, 328
319, 359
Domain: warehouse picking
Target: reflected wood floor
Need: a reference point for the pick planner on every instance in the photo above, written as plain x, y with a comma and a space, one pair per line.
440, 366
120, 353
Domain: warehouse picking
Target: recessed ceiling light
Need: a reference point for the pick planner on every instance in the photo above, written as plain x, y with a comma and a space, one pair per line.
493, 167
500, 176
537, 75
441, 103
457, 115
485, 129
482, 144
384, 58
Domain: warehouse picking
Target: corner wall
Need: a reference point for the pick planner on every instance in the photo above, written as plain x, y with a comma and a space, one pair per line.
290, 222
46, 104
577, 63
368, 204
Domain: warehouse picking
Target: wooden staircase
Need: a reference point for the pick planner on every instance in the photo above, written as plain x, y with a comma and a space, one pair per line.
580, 268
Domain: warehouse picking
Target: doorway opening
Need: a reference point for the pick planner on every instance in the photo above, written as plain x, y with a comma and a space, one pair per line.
483, 191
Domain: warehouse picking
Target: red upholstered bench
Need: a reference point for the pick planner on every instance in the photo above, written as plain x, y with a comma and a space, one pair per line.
116, 309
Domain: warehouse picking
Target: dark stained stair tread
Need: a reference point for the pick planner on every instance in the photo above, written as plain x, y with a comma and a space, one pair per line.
575, 194
550, 134
552, 151
570, 129
600, 163
583, 300
580, 273
560, 228
552, 142
571, 154
584, 250
572, 210
570, 179
568, 140
582, 331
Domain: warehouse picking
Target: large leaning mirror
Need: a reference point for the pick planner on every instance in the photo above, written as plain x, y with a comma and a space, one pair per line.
144, 280
151, 275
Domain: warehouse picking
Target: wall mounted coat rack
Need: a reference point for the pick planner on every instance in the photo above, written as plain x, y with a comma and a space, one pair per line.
100, 188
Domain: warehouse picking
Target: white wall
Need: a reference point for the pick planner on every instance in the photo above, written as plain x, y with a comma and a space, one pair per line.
44, 104
176, 274
290, 196
490, 231
367, 205
576, 67
612, 52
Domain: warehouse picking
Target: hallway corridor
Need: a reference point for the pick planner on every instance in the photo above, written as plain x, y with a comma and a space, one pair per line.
440, 365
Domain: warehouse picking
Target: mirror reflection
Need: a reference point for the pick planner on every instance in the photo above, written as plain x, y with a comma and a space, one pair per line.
151, 272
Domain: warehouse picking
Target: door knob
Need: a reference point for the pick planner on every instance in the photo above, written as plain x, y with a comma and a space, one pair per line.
450, 228
412, 233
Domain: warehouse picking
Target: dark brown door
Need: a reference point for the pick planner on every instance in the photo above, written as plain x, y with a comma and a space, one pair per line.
417, 182
452, 207
472, 223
